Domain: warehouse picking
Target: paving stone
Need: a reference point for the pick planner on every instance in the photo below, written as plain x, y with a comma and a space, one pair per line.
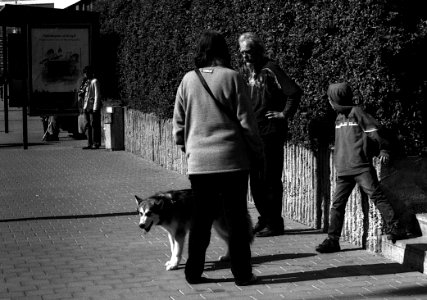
68, 230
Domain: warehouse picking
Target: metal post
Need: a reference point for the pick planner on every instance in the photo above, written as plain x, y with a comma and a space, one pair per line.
5, 89
25, 102
25, 125
5, 92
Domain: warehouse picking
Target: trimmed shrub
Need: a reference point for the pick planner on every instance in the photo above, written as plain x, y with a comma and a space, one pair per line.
378, 46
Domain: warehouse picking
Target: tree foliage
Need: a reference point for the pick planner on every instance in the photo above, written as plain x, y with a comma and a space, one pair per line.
378, 46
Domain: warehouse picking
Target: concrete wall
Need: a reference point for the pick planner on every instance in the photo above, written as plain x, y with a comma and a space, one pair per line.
308, 181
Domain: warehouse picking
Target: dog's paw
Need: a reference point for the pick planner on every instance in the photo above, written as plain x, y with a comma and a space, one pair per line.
171, 265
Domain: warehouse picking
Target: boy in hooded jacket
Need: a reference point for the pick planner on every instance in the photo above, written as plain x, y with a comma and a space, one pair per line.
355, 130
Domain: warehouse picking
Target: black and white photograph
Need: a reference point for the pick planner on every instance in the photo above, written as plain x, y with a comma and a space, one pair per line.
213, 149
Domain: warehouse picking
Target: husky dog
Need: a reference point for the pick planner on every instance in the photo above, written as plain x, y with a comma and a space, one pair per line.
172, 211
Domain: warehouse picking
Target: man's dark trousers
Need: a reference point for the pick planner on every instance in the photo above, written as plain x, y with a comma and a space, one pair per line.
267, 186
93, 128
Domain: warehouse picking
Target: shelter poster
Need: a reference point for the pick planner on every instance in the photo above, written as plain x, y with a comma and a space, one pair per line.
58, 57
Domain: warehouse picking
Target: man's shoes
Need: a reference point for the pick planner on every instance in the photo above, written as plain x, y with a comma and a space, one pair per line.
249, 281
198, 280
269, 231
329, 246
95, 147
87, 148
259, 226
396, 233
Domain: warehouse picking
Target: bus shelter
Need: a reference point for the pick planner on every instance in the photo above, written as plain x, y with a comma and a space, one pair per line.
43, 52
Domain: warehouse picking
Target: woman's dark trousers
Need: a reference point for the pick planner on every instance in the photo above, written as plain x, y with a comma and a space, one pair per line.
215, 194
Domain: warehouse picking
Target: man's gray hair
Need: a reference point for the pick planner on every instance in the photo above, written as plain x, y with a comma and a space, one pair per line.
253, 39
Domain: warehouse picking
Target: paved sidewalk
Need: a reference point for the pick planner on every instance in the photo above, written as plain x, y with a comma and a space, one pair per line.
68, 231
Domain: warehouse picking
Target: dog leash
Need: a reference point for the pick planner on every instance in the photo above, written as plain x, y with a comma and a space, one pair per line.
221, 106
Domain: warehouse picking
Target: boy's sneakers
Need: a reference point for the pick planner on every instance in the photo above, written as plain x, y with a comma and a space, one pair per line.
329, 246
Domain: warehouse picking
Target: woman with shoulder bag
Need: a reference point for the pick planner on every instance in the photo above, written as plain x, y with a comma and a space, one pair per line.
214, 125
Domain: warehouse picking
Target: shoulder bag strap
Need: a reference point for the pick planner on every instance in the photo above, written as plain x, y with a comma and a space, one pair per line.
220, 104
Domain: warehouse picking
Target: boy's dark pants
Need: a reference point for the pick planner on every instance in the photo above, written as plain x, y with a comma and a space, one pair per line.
266, 185
368, 182
214, 194
93, 128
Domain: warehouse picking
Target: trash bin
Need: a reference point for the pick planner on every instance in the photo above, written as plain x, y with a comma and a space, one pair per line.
114, 128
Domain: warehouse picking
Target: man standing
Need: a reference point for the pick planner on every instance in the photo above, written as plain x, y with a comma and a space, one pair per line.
275, 98
92, 108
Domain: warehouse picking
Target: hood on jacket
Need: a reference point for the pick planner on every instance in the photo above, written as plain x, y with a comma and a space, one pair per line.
340, 96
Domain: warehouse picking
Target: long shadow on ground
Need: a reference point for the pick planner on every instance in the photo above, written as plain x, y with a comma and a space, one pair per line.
335, 272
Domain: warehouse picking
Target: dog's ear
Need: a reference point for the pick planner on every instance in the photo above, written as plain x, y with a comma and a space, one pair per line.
159, 202
138, 200
167, 195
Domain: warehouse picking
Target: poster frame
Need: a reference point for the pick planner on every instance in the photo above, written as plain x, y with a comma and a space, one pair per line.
46, 103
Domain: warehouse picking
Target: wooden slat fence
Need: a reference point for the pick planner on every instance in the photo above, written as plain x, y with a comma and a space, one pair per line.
308, 179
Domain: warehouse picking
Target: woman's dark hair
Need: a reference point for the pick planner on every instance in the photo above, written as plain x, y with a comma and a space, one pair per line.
212, 46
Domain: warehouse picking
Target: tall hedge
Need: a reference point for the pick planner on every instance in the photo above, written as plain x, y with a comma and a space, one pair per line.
378, 46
